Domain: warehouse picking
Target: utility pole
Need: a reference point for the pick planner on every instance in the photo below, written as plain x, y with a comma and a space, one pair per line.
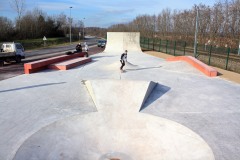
83, 28
70, 26
238, 19
196, 33
80, 29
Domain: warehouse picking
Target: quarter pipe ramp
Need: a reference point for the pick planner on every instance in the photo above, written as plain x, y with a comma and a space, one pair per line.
118, 42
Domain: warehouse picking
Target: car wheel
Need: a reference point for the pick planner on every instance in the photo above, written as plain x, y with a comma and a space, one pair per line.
18, 59
1, 63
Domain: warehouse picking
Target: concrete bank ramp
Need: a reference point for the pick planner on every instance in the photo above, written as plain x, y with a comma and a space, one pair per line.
117, 131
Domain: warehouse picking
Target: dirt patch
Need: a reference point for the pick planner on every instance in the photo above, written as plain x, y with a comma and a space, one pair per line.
228, 75
159, 54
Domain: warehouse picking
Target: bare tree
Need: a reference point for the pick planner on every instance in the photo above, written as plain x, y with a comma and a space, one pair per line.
6, 28
218, 24
19, 7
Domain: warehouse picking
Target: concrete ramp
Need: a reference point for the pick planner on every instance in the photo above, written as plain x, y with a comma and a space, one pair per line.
119, 94
118, 42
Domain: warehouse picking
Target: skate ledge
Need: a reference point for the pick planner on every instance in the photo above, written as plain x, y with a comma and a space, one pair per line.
207, 70
65, 65
39, 65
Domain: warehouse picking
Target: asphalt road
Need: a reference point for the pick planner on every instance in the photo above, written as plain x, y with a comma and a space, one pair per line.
57, 49
13, 69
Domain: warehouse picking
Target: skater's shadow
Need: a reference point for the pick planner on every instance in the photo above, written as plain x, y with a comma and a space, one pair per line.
30, 87
136, 69
97, 57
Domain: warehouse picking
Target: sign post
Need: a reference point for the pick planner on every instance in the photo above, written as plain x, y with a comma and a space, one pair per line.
44, 40
79, 35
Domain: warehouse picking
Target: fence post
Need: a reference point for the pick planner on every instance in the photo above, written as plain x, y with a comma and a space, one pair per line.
174, 53
196, 51
148, 43
160, 43
184, 48
153, 43
143, 42
166, 46
140, 41
228, 52
210, 54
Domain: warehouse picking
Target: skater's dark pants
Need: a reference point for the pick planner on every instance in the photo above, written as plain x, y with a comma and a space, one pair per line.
123, 64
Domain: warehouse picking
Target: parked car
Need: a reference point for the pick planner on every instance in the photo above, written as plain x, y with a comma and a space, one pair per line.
11, 51
102, 43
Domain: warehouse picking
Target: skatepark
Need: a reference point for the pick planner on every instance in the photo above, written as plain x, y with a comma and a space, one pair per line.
155, 109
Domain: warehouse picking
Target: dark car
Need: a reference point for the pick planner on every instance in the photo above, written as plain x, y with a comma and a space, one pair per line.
102, 43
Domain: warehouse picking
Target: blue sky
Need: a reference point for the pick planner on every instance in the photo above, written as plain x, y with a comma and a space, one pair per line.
102, 13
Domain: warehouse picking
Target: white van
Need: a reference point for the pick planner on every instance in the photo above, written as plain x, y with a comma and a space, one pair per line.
11, 51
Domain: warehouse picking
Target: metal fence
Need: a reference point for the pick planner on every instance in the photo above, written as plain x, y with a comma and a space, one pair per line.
225, 58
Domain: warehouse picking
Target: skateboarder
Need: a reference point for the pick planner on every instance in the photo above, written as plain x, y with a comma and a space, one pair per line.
123, 59
79, 47
86, 48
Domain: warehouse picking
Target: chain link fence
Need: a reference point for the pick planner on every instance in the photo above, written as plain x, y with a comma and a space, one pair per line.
225, 58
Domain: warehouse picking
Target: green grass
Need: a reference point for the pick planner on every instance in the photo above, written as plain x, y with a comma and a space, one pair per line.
40, 40
39, 43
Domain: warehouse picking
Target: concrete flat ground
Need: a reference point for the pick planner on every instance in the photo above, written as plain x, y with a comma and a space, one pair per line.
55, 115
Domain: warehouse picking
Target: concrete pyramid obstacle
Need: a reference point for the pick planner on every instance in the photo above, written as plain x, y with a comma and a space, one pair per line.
120, 94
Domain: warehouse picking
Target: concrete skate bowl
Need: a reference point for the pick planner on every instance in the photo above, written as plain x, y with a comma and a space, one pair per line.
117, 131
118, 42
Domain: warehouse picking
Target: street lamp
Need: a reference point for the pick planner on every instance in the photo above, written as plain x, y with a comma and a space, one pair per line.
196, 33
70, 26
83, 28
79, 34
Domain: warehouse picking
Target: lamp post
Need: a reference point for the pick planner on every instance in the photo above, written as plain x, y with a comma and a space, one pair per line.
238, 19
196, 33
70, 27
79, 34
83, 28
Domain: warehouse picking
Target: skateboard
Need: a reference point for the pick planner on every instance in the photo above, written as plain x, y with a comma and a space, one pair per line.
122, 71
